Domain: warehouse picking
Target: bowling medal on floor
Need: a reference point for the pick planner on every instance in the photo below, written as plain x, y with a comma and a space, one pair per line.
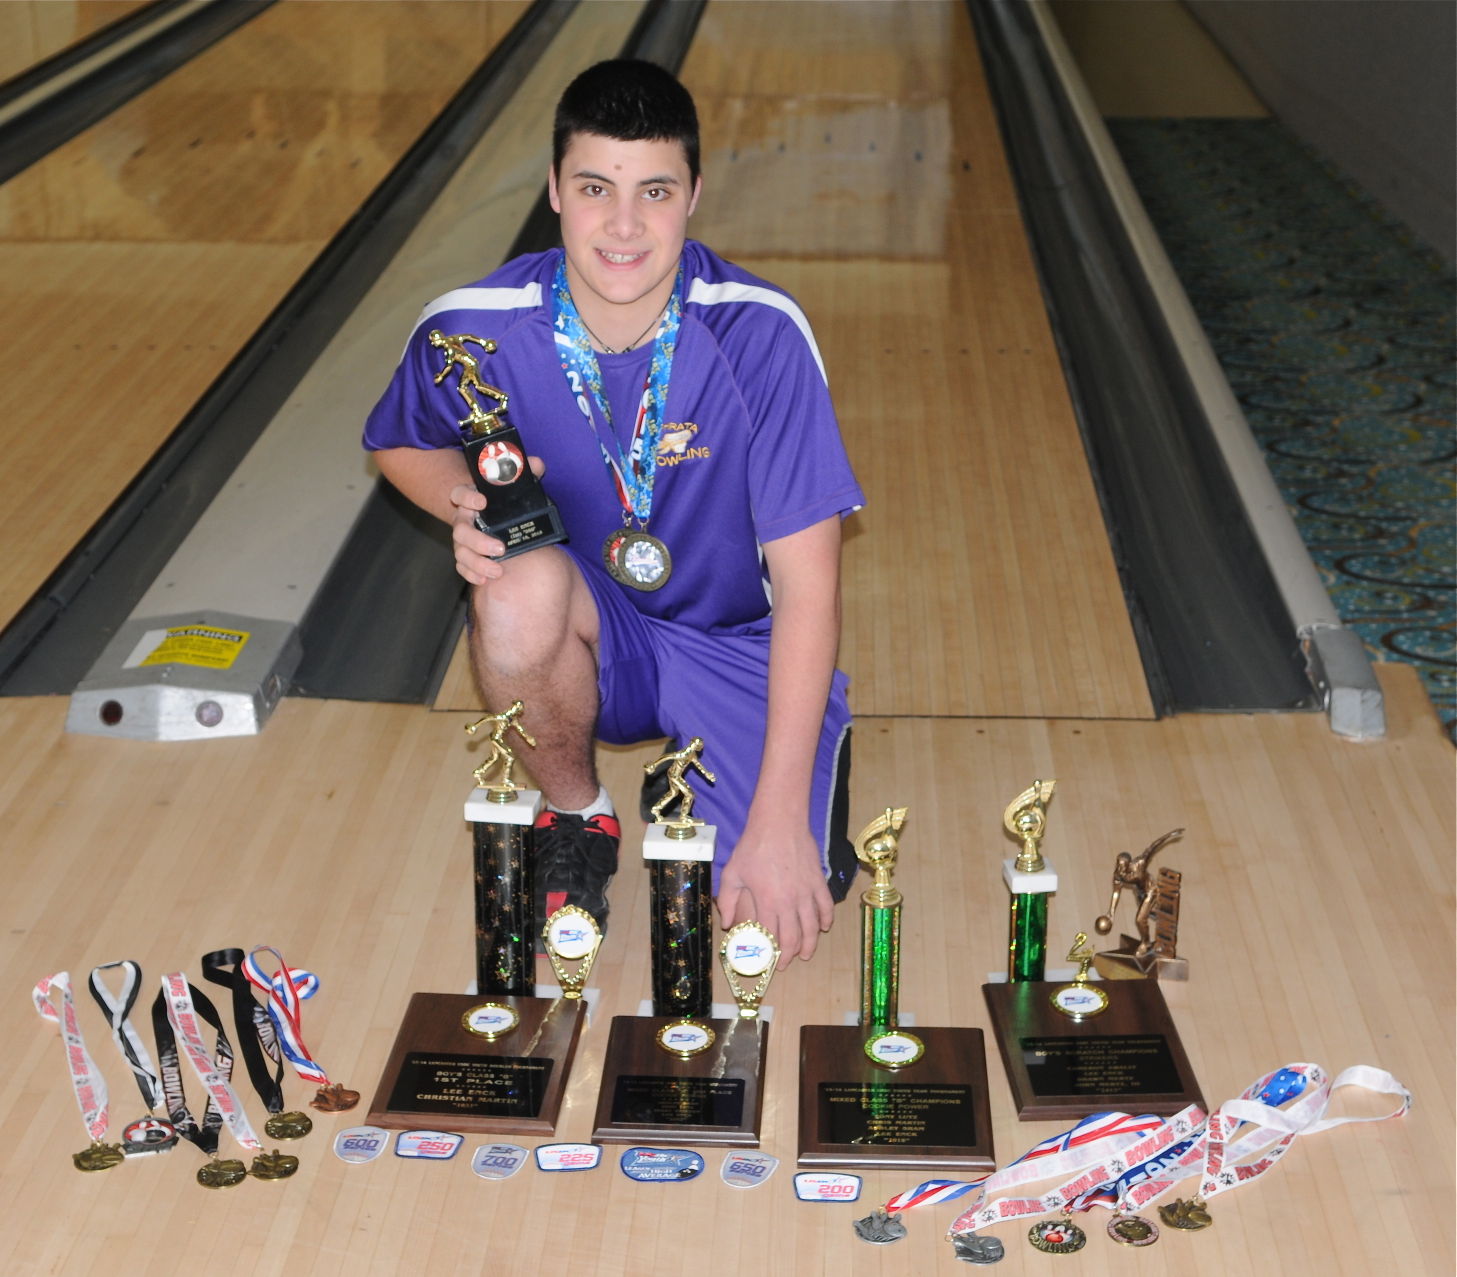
973, 1248
148, 1135
288, 1126
1057, 1236
334, 1098
880, 1228
273, 1165
99, 1157
1133, 1230
1189, 1215
222, 1173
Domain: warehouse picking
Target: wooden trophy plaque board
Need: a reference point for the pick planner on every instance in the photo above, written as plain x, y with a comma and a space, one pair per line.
853, 1112
1127, 1057
440, 1074
650, 1096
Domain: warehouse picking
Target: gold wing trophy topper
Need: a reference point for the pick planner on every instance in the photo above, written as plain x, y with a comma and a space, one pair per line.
1080, 1000
505, 789
1153, 952
518, 512
1031, 880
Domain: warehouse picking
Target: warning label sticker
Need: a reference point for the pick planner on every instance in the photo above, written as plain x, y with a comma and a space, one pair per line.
201, 645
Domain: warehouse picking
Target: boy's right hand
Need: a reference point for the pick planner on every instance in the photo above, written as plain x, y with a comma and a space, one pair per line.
478, 556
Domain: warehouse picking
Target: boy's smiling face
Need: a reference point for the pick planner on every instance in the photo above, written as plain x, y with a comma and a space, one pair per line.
624, 210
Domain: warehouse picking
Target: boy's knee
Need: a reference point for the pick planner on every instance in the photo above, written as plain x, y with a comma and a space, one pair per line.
530, 612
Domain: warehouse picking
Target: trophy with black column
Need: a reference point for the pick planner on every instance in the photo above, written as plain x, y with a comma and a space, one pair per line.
877, 1093
496, 1060
681, 1075
518, 512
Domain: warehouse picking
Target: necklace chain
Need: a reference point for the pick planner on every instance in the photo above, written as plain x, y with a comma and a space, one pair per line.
621, 350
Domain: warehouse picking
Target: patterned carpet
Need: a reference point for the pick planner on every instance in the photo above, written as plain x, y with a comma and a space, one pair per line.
1335, 329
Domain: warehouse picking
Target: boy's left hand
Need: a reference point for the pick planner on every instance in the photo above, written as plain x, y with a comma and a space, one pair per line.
776, 880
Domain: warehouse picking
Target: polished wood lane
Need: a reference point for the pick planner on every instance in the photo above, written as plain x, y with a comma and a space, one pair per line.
1318, 921
141, 255
33, 30
978, 579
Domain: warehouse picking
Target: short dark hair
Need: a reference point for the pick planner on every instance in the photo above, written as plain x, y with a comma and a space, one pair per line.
630, 101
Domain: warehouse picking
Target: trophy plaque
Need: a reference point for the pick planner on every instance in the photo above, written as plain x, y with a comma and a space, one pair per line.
680, 1076
1074, 1049
1153, 953
479, 1063
518, 512
877, 1094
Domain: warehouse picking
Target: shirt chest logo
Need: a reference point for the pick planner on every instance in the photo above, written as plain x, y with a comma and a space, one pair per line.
678, 443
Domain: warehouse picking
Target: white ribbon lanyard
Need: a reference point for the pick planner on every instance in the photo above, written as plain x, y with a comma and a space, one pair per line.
86, 1080
185, 1021
124, 1034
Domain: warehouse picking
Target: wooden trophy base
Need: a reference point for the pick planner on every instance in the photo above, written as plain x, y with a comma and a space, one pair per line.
440, 1074
1128, 1057
650, 1096
853, 1112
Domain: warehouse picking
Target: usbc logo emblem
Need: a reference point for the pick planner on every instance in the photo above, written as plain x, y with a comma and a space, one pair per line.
438, 1146
360, 1144
498, 1161
820, 1186
747, 1170
661, 1165
567, 1157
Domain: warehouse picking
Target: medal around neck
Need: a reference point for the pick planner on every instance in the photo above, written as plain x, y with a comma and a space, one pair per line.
875, 1094
637, 559
749, 952
572, 935
518, 512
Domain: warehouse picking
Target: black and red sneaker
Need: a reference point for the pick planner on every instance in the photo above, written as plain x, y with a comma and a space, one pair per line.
575, 860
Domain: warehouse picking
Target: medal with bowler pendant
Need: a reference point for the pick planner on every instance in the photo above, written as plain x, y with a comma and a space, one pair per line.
637, 559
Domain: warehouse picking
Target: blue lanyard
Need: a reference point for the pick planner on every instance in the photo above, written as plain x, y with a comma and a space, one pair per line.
632, 473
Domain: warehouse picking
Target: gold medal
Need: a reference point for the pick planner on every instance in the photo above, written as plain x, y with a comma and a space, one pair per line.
1133, 1230
1189, 1215
1057, 1236
288, 1126
99, 1157
274, 1165
637, 560
222, 1174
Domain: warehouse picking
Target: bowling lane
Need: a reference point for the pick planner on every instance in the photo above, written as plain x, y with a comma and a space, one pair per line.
978, 580
142, 254
33, 30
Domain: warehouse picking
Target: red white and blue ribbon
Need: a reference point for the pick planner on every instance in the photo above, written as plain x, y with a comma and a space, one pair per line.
1090, 1139
86, 1080
286, 990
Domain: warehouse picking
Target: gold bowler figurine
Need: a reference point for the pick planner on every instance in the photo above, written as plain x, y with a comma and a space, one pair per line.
504, 790
457, 356
1156, 916
679, 761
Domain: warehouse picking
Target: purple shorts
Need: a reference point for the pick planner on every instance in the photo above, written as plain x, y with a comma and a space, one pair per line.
657, 678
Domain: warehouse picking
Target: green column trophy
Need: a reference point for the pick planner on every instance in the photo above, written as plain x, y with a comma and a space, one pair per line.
680, 1075
875, 1093
1030, 879
1074, 1049
518, 512
496, 1060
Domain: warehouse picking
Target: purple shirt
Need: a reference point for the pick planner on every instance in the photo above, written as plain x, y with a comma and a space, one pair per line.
750, 448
